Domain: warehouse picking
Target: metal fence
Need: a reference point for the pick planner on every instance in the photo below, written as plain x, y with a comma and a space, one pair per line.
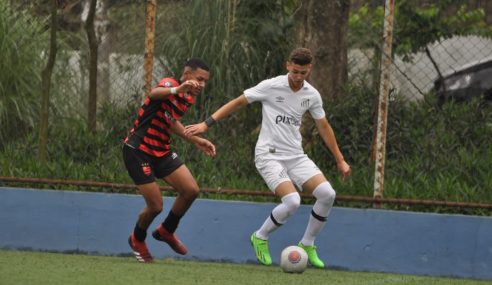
414, 76
121, 32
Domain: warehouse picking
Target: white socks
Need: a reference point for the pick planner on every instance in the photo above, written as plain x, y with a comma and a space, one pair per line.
279, 215
325, 196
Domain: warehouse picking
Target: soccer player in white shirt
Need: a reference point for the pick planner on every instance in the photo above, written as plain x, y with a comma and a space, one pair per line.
279, 156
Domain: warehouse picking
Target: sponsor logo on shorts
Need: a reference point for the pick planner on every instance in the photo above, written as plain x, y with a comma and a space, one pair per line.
174, 155
146, 169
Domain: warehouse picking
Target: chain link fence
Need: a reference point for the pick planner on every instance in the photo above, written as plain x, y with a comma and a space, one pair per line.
415, 74
121, 31
120, 28
426, 142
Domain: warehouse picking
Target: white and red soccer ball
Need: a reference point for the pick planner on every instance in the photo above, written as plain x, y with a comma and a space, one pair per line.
293, 259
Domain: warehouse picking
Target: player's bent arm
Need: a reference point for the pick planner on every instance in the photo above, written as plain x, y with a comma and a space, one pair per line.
328, 136
164, 92
160, 93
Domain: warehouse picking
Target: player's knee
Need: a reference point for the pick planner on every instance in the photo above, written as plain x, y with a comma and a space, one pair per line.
324, 193
155, 207
191, 193
292, 202
158, 210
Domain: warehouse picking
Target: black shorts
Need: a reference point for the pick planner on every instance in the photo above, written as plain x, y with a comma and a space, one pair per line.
144, 168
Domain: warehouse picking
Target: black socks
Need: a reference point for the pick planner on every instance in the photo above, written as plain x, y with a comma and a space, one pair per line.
140, 234
171, 222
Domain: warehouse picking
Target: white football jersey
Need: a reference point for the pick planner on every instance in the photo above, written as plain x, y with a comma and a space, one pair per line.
282, 111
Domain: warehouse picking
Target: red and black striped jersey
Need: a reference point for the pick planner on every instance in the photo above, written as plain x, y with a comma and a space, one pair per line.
151, 131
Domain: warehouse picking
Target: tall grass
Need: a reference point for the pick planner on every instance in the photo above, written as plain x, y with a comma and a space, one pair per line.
233, 37
22, 40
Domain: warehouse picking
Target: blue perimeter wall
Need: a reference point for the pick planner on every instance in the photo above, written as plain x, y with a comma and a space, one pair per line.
353, 239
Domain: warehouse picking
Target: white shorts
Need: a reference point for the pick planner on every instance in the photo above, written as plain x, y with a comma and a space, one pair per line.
297, 170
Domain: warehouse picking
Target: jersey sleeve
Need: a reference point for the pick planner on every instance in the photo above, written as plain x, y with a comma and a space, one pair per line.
316, 110
258, 92
168, 82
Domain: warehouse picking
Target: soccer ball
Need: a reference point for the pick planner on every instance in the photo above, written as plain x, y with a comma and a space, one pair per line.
293, 259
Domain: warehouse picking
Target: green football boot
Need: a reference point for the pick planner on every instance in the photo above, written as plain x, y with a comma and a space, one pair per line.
261, 250
312, 255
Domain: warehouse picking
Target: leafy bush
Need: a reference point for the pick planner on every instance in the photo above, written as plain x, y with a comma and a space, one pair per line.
432, 153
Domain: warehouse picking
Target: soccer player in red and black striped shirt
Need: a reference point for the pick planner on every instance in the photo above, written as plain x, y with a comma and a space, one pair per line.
148, 155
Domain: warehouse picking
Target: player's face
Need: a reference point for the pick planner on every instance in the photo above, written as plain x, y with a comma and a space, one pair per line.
201, 76
298, 73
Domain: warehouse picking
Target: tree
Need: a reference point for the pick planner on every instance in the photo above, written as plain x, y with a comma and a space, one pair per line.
46, 85
103, 33
93, 46
323, 28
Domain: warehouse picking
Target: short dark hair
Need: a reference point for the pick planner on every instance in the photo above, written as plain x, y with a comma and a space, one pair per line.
301, 56
195, 63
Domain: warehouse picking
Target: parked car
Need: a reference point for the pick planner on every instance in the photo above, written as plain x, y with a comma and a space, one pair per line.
472, 80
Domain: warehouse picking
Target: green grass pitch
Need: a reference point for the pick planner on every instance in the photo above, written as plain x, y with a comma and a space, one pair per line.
24, 267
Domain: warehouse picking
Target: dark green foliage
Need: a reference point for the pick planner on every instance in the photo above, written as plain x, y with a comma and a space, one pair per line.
441, 153
434, 22
432, 153
445, 152
22, 40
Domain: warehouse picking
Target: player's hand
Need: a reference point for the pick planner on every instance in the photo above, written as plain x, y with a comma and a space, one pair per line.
190, 86
344, 169
196, 129
205, 145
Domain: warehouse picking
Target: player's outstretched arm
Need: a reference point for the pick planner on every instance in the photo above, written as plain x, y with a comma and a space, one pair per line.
224, 111
328, 136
